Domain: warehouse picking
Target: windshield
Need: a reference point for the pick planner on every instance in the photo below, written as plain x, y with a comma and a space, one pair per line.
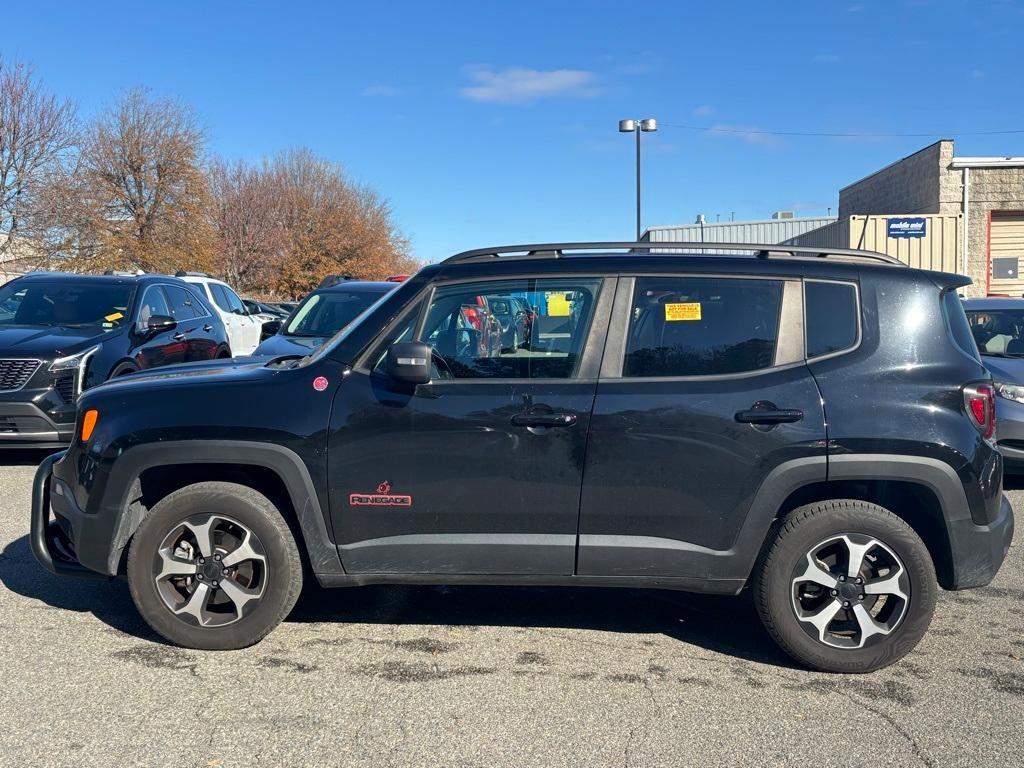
330, 344
998, 332
65, 303
324, 314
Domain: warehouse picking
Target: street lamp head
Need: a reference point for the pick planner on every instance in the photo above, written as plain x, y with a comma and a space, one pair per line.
627, 126
650, 124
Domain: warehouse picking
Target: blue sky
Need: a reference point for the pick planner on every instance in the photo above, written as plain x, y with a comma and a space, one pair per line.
487, 123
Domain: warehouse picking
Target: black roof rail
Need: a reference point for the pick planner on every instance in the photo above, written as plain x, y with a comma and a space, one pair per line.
760, 250
185, 273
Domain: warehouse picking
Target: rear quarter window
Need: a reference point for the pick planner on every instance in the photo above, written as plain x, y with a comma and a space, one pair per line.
831, 317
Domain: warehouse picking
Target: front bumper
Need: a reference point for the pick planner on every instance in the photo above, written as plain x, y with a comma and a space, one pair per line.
24, 424
52, 541
979, 550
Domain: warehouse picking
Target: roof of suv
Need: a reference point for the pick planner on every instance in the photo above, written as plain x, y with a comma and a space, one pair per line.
994, 302
358, 286
120, 278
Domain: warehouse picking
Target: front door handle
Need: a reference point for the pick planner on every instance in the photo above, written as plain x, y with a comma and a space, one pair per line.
207, 328
544, 419
179, 336
764, 412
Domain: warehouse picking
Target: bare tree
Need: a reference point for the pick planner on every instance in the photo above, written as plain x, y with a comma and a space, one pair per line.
37, 134
247, 213
138, 197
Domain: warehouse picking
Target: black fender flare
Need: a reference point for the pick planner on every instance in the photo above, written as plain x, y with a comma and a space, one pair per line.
124, 475
933, 474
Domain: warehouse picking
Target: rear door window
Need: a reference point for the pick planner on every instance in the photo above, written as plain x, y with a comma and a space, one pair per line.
183, 303
702, 326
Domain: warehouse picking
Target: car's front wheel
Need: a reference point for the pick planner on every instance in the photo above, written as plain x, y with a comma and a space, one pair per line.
846, 586
214, 566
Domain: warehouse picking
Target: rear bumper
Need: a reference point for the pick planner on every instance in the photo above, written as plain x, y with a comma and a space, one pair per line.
52, 541
979, 550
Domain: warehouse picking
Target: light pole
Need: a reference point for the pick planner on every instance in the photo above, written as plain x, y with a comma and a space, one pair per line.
646, 125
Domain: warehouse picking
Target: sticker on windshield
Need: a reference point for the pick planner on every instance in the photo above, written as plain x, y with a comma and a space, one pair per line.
115, 316
683, 311
382, 498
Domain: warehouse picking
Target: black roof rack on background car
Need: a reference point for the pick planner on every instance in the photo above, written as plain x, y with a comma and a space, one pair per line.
185, 273
759, 250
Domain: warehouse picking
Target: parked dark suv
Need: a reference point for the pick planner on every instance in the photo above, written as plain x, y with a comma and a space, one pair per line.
817, 427
63, 333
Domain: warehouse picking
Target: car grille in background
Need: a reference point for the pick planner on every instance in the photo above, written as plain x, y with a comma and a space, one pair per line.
65, 387
14, 373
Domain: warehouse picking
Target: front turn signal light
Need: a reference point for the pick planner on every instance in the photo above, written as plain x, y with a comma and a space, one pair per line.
89, 423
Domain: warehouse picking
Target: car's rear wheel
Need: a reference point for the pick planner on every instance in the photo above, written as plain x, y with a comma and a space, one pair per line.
846, 586
214, 566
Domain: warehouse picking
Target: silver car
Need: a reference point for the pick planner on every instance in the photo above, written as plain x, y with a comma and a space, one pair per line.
998, 328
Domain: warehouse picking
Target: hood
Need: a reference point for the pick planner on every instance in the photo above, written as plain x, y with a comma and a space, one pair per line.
288, 345
1006, 370
49, 342
228, 371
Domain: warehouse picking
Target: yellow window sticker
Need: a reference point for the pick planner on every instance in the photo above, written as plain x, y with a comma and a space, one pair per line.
114, 316
558, 305
687, 311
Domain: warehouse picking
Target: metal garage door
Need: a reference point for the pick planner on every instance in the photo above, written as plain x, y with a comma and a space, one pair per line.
1006, 253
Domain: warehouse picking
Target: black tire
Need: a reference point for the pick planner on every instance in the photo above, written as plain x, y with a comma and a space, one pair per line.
281, 573
803, 531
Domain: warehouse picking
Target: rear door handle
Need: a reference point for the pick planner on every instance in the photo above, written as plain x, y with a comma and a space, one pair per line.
767, 413
544, 419
207, 328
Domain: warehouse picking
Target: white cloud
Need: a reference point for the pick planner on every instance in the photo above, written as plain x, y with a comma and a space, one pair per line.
379, 89
518, 85
704, 110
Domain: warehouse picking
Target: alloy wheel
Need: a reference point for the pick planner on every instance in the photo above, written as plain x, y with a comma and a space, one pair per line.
850, 590
210, 570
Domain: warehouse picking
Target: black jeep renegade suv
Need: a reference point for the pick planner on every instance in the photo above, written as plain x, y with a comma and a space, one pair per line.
815, 426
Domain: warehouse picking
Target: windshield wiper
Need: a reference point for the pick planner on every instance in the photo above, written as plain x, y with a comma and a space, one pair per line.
303, 335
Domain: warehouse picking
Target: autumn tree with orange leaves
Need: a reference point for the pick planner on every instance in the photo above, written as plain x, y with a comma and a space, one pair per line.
284, 225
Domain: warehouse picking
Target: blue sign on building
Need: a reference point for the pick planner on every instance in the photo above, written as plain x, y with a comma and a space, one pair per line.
909, 227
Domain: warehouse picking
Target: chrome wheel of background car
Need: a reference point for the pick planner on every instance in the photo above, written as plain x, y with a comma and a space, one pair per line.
850, 589
210, 570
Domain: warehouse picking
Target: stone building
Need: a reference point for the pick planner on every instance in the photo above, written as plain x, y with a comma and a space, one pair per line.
987, 191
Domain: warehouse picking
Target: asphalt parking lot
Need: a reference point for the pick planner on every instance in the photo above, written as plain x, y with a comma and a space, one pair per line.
402, 676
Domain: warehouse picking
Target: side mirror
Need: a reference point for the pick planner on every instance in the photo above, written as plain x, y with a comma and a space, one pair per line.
271, 328
161, 324
410, 362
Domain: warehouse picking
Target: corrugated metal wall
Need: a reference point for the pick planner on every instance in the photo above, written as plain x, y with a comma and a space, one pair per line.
939, 249
767, 231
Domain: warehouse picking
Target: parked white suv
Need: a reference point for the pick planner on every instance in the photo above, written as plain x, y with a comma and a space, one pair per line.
243, 330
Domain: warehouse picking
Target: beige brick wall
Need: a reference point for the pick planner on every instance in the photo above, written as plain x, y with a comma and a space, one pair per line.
991, 189
914, 184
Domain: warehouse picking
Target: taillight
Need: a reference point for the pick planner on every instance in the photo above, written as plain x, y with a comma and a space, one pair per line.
980, 404
473, 317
